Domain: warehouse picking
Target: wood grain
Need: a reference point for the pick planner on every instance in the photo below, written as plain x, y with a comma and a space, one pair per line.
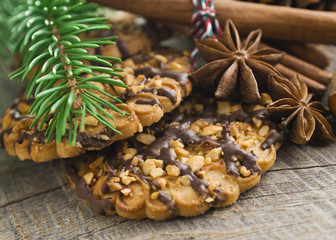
295, 200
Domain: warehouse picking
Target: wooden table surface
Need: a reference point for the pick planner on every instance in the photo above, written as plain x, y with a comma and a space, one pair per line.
296, 199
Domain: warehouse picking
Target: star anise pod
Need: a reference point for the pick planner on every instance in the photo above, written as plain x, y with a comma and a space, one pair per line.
235, 68
293, 106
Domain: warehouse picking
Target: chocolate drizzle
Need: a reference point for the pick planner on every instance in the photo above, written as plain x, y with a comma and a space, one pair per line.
151, 72
166, 199
84, 192
120, 43
147, 101
162, 91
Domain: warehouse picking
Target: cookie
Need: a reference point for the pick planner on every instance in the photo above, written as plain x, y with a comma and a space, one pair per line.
157, 83
203, 155
135, 36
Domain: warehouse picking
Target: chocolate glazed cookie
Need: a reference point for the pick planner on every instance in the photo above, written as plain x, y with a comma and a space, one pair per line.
202, 155
157, 83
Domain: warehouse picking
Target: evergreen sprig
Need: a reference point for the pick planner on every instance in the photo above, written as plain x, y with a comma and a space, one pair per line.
46, 33
6, 46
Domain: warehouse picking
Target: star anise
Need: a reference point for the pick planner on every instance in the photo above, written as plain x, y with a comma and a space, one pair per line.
294, 107
235, 68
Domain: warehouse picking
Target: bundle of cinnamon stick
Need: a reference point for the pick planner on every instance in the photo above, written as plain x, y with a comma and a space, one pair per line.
276, 22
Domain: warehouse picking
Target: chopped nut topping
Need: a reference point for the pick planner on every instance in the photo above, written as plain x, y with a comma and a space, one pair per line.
211, 130
155, 195
209, 199
124, 173
177, 144
158, 83
172, 170
91, 121
214, 154
176, 66
207, 160
161, 58
145, 138
157, 172
96, 163
127, 180
100, 172
126, 191
135, 161
104, 137
182, 152
88, 178
115, 179
158, 163
223, 107
185, 180
148, 166
196, 163
140, 127
245, 172
264, 130
131, 151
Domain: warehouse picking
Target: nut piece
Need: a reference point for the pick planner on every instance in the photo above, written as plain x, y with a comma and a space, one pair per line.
131, 151
196, 163
257, 122
158, 163
155, 195
126, 191
157, 172
209, 199
145, 138
172, 170
127, 180
91, 121
185, 180
177, 144
223, 107
114, 186
158, 83
263, 130
211, 130
176, 66
88, 178
245, 172
96, 163
214, 154
148, 166
182, 152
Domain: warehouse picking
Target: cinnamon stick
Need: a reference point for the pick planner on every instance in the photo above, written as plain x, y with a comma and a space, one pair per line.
332, 95
309, 52
316, 87
276, 22
304, 68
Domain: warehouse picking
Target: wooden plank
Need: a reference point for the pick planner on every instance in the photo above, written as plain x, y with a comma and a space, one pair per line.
286, 203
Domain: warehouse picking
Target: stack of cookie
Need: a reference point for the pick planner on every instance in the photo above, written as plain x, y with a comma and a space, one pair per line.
173, 158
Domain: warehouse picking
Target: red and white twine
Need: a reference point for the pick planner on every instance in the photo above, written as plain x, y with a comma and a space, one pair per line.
204, 23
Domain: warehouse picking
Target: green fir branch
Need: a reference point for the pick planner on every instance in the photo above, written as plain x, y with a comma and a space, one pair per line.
46, 33
6, 9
